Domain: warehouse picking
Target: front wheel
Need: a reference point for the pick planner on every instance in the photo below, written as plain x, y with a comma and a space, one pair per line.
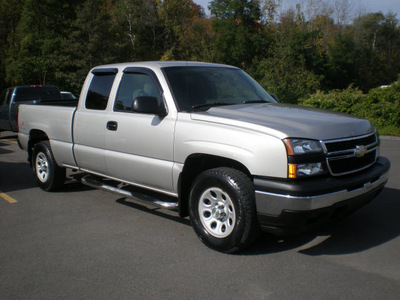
49, 176
222, 209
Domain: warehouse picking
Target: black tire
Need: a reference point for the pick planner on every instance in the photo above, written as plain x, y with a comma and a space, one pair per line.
222, 210
49, 176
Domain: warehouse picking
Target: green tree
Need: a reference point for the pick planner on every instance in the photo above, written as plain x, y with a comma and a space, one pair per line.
31, 57
239, 32
377, 39
197, 40
36, 54
177, 17
138, 29
10, 13
341, 69
287, 68
92, 41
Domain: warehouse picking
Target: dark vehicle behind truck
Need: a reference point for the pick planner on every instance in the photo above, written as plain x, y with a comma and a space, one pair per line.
12, 97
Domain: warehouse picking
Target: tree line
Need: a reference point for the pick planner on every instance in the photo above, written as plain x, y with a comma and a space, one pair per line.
311, 47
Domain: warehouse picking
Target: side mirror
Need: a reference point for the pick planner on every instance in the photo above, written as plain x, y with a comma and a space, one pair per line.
148, 105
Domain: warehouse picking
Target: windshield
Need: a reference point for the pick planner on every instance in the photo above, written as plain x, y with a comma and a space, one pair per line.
200, 88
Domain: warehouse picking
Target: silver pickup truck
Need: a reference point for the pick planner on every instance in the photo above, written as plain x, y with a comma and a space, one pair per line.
208, 141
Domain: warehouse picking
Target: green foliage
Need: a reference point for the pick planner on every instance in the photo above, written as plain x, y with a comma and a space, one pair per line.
10, 13
346, 100
284, 71
292, 54
291, 85
341, 66
137, 28
239, 35
380, 105
384, 105
175, 16
91, 42
377, 41
33, 57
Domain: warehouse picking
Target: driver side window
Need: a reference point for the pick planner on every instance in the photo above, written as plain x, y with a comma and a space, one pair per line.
134, 85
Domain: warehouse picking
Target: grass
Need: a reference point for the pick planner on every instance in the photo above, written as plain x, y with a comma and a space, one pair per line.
389, 130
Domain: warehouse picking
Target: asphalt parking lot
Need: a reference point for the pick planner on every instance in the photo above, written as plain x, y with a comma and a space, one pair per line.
82, 243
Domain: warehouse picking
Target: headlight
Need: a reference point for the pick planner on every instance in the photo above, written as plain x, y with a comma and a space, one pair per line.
303, 170
299, 146
305, 158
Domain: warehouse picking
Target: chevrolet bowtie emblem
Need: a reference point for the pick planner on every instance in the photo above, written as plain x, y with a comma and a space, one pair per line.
360, 151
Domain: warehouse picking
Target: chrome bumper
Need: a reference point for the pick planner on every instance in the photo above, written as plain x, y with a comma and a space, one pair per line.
273, 204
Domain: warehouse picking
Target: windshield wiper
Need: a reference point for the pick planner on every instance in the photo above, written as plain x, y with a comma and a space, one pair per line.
209, 105
254, 101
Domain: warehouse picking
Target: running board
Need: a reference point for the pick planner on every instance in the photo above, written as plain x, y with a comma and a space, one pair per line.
137, 195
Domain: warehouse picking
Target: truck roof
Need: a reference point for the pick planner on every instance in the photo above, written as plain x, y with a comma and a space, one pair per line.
33, 86
163, 64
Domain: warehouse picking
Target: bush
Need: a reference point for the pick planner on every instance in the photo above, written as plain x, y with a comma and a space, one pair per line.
380, 105
384, 105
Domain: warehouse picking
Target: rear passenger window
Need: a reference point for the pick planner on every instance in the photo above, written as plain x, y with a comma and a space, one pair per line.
99, 90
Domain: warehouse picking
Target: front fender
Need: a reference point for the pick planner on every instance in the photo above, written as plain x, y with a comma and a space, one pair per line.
261, 154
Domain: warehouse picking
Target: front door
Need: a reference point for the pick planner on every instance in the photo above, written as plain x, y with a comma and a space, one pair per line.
140, 146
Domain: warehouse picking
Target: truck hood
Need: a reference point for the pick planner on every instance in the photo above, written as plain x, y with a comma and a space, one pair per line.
283, 121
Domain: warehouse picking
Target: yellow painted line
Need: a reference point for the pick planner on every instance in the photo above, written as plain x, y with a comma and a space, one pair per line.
8, 198
10, 141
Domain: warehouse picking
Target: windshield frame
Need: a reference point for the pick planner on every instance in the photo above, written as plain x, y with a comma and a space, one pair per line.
193, 107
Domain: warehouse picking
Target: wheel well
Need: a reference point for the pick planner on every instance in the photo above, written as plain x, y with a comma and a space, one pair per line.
196, 164
35, 136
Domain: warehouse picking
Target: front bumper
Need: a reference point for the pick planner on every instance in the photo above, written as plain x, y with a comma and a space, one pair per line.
289, 207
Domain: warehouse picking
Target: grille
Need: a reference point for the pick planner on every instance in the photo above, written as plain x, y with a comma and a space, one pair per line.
352, 164
350, 155
350, 144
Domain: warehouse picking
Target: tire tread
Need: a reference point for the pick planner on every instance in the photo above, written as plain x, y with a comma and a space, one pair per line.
243, 186
57, 174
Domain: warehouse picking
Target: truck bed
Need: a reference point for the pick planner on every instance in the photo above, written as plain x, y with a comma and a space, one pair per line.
53, 120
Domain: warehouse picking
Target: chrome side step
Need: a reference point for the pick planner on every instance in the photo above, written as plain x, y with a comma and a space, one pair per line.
131, 193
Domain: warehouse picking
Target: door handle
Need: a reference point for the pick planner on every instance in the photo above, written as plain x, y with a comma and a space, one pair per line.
112, 125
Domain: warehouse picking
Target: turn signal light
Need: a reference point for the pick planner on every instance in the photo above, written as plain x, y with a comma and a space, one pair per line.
292, 171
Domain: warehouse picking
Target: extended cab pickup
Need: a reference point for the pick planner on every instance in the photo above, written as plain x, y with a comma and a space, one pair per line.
208, 141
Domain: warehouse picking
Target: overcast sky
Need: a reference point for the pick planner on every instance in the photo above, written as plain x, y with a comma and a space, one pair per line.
384, 6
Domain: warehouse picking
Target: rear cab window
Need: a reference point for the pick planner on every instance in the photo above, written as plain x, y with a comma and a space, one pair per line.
100, 88
36, 92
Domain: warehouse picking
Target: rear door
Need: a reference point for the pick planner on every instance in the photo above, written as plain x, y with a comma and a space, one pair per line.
90, 123
140, 146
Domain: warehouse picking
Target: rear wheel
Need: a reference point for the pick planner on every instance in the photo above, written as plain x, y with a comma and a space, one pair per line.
222, 209
49, 176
